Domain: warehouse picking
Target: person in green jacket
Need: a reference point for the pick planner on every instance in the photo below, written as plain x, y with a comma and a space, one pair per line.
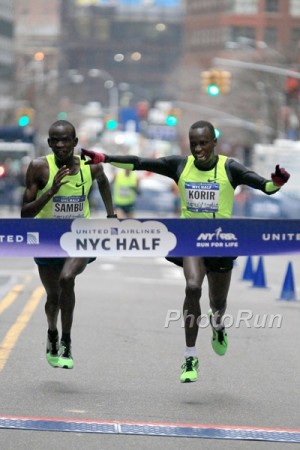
206, 182
125, 190
57, 186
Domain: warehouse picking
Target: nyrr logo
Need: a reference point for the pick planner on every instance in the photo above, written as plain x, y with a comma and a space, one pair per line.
217, 239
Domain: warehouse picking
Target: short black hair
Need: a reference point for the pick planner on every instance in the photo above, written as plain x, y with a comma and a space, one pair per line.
64, 123
204, 124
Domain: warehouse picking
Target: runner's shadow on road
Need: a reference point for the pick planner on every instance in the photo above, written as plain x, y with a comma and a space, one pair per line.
74, 389
59, 387
212, 399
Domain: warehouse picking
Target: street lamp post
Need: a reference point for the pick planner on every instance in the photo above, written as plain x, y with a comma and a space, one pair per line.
77, 78
279, 71
111, 86
253, 66
29, 95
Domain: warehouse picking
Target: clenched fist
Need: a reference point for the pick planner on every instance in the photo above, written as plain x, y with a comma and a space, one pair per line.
280, 176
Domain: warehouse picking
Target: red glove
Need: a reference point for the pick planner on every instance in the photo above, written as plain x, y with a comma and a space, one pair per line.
280, 177
96, 158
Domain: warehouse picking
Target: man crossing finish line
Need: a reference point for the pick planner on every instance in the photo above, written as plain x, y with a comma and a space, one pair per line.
206, 183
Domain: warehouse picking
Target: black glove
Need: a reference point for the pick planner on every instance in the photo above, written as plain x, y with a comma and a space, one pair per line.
280, 176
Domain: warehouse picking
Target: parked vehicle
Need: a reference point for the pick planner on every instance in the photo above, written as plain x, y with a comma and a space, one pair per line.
14, 160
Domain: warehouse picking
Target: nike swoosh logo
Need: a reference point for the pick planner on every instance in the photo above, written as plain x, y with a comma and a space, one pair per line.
80, 184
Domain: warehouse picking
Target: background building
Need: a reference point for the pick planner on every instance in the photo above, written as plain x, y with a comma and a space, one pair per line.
258, 104
6, 55
114, 53
136, 53
137, 42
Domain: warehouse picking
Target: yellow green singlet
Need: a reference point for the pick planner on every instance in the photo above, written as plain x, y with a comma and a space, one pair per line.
71, 201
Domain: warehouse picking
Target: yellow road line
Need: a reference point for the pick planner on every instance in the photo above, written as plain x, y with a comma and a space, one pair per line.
16, 329
10, 297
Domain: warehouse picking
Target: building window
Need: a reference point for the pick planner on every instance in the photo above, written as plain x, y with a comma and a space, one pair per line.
272, 5
235, 33
270, 36
294, 8
295, 38
83, 27
101, 29
244, 7
6, 28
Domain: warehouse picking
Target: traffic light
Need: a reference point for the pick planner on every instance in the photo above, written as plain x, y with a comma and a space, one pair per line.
224, 81
23, 121
292, 90
213, 90
171, 121
209, 83
215, 82
217, 133
25, 116
173, 117
111, 124
62, 115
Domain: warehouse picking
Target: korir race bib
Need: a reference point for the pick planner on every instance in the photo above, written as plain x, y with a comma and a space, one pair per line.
202, 197
68, 207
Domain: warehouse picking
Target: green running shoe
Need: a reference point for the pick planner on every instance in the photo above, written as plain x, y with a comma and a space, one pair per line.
65, 360
189, 370
52, 349
219, 340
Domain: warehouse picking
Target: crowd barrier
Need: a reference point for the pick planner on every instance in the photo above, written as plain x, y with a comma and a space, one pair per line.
147, 237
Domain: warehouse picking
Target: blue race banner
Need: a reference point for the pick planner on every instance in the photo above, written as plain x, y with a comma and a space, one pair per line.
147, 237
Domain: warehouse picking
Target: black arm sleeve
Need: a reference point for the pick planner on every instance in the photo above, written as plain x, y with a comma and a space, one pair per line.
238, 174
169, 166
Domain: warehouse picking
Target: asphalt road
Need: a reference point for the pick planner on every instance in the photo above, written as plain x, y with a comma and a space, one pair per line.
127, 360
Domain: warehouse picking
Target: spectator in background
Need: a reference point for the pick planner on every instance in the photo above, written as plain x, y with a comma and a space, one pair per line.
10, 178
176, 193
125, 190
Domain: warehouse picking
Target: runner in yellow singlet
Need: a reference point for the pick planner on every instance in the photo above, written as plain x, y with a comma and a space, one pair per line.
206, 183
57, 186
125, 190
